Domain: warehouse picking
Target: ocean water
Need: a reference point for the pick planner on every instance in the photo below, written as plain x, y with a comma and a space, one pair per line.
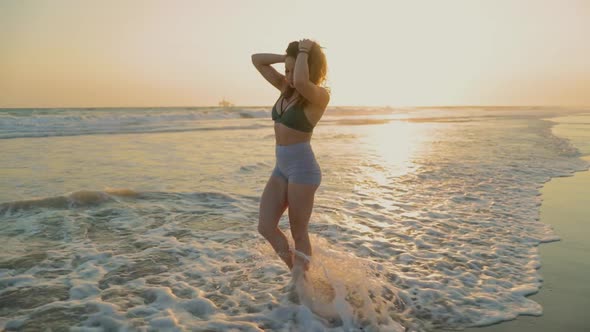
146, 219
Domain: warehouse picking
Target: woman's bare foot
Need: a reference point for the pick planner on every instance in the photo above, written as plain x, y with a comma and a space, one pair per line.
303, 260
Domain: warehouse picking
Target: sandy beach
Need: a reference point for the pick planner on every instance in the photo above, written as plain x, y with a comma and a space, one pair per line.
565, 294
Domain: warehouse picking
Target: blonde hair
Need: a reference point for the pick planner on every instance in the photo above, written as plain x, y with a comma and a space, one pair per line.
317, 64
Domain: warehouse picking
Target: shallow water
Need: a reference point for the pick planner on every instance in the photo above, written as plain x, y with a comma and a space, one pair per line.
133, 219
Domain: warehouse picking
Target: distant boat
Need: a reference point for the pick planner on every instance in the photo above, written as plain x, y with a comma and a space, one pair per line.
225, 104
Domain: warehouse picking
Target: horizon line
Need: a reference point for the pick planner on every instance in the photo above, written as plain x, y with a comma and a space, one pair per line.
333, 106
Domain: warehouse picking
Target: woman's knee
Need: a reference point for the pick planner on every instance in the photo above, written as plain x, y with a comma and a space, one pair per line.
266, 230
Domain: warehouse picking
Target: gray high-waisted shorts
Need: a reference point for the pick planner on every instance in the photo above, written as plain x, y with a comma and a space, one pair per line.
296, 164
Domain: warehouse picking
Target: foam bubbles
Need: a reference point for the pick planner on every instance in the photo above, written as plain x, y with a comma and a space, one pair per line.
431, 222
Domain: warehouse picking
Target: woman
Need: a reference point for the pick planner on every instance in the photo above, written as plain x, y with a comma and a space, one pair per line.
296, 175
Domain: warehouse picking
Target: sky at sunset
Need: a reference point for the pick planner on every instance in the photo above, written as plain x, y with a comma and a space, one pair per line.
62, 53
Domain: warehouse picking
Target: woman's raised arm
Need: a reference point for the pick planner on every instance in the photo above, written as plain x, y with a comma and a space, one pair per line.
263, 61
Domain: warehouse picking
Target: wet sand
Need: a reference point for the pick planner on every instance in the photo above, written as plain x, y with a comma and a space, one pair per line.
565, 264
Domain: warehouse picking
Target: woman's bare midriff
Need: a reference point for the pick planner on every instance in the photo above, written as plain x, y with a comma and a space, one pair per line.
287, 136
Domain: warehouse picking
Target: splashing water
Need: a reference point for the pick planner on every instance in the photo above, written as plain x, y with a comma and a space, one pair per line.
340, 291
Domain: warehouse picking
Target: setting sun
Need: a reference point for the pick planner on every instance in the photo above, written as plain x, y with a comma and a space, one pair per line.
263, 165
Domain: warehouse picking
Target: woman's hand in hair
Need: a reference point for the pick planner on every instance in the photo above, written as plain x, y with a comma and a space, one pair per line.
305, 44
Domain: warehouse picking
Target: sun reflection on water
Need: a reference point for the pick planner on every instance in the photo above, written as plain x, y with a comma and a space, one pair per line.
391, 150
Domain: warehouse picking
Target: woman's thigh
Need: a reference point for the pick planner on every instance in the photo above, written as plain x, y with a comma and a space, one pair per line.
273, 202
300, 200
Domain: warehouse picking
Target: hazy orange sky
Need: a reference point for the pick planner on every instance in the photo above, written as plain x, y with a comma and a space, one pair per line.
58, 53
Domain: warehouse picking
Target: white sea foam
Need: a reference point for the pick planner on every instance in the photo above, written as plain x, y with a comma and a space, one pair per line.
426, 221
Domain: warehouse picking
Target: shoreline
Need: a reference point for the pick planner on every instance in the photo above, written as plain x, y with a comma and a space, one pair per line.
564, 293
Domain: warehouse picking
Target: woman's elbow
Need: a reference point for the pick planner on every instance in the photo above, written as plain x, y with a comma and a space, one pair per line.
299, 84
